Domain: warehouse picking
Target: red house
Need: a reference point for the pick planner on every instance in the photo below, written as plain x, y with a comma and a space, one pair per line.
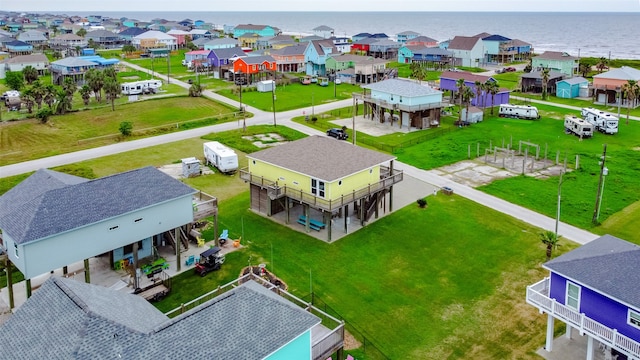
254, 68
363, 45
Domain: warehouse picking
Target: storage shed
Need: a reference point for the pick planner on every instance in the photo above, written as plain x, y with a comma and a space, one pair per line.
570, 88
475, 115
190, 167
266, 85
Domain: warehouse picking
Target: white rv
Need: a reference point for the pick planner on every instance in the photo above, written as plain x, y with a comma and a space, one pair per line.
519, 111
603, 121
220, 156
577, 126
132, 88
141, 87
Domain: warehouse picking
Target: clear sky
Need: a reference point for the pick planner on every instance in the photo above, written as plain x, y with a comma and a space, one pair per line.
324, 5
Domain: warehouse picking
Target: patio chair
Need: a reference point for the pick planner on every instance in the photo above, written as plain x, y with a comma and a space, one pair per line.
224, 236
200, 242
190, 260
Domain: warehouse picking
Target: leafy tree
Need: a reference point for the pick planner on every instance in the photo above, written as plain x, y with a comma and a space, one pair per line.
56, 55
95, 80
82, 32
111, 90
30, 74
54, 28
460, 85
631, 91
126, 128
44, 114
544, 76
63, 102
551, 241
78, 49
85, 92
418, 71
128, 49
529, 66
28, 99
92, 44
49, 97
195, 90
38, 93
14, 80
602, 64
191, 46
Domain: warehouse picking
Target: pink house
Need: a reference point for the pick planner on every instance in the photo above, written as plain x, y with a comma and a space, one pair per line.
180, 36
607, 84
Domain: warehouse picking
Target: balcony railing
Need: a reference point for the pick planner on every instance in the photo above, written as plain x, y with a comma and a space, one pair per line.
387, 179
321, 347
204, 205
397, 106
538, 296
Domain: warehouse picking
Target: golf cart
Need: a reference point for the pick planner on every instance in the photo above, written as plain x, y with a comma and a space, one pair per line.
210, 260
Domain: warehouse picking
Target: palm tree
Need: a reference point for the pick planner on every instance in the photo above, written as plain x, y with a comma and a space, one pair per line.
69, 86
49, 96
110, 72
485, 88
111, 90
95, 80
467, 95
493, 90
584, 69
631, 91
38, 93
63, 102
478, 86
602, 64
196, 90
551, 240
544, 76
30, 74
28, 99
81, 32
460, 85
85, 92
418, 71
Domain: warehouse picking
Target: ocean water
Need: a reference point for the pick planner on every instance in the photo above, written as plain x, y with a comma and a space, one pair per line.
611, 35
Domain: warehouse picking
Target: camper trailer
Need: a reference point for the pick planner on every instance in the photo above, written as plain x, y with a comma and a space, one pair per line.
519, 111
220, 156
602, 121
141, 87
577, 126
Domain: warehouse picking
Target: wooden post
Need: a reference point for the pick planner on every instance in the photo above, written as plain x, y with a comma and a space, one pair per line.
346, 216
10, 282
28, 287
176, 232
216, 233
524, 162
65, 269
478, 150
469, 152
135, 265
87, 272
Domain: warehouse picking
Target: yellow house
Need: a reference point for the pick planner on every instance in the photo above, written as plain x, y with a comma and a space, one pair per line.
315, 179
249, 40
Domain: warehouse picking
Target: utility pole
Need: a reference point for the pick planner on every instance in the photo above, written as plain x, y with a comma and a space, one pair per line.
168, 66
596, 210
273, 98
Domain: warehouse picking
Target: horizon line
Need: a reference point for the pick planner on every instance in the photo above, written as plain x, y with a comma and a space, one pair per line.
332, 11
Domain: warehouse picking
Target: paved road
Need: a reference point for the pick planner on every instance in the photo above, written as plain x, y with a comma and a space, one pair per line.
284, 118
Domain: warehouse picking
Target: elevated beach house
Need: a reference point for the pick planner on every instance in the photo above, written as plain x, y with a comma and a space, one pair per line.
595, 290
67, 319
467, 50
316, 55
255, 68
52, 219
607, 84
435, 57
317, 179
557, 61
408, 103
259, 30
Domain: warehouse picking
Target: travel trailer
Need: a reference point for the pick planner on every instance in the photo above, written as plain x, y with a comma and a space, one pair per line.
577, 126
220, 156
519, 111
141, 87
603, 121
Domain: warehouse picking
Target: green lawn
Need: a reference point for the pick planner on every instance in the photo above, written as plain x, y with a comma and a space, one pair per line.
293, 96
29, 139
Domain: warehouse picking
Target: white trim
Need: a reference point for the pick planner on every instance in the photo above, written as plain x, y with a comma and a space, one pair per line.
637, 314
566, 296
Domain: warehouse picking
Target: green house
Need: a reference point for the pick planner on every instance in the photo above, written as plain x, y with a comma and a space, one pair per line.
558, 61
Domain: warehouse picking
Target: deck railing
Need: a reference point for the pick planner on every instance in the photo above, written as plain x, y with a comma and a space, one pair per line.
388, 178
538, 296
397, 106
204, 205
321, 348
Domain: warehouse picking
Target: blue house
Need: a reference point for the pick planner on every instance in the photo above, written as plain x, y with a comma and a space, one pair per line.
405, 36
570, 88
316, 54
260, 30
418, 53
594, 289
17, 47
249, 321
360, 36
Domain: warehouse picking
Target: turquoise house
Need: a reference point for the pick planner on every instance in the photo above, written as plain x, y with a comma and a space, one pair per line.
570, 88
261, 30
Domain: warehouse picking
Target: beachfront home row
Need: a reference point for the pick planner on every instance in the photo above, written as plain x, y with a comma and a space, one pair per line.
594, 290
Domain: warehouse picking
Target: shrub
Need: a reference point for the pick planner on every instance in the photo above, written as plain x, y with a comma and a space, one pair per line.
422, 202
126, 127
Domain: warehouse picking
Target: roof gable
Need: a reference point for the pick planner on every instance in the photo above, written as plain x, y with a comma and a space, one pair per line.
463, 42
495, 38
555, 55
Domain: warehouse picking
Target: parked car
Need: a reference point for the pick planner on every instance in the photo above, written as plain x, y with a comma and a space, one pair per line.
338, 134
510, 69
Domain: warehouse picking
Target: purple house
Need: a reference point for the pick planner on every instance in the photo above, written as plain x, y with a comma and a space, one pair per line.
596, 290
448, 81
224, 57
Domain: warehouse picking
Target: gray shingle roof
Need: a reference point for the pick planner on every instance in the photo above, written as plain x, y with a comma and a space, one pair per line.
608, 265
63, 208
402, 88
290, 50
228, 53
538, 75
66, 319
575, 80
27, 59
251, 60
322, 157
463, 42
556, 55
73, 61
623, 73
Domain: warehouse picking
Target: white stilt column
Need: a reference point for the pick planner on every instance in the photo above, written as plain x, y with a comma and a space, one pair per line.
549, 344
589, 348
568, 333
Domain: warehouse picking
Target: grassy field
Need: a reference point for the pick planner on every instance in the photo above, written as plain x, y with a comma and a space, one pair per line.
29, 139
293, 96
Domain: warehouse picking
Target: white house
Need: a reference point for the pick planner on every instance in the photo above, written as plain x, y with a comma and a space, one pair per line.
18, 63
154, 39
467, 50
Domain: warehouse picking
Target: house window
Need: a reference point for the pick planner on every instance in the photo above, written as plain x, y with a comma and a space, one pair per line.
573, 296
317, 188
113, 228
137, 220
633, 318
128, 249
15, 250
